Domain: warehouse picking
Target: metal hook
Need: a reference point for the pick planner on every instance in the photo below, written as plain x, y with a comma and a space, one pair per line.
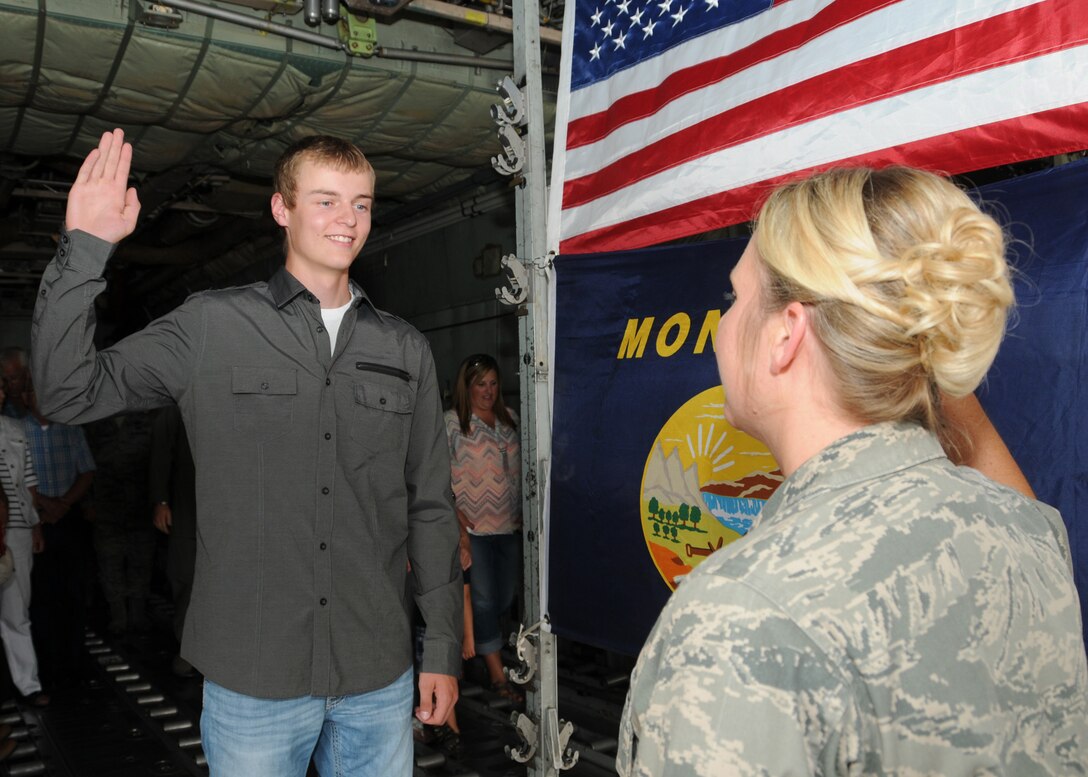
527, 731
512, 159
562, 757
512, 110
518, 280
526, 652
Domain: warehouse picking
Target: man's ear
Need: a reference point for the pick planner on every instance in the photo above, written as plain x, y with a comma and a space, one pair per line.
792, 329
279, 209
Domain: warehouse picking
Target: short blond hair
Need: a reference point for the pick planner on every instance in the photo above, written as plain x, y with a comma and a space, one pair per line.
907, 282
334, 152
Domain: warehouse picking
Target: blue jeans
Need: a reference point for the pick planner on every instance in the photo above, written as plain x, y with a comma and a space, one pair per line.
362, 735
496, 575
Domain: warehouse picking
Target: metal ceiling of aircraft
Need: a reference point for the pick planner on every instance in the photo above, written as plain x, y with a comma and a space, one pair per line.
210, 103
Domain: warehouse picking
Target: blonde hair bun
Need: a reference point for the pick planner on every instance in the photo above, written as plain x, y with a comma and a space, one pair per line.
907, 277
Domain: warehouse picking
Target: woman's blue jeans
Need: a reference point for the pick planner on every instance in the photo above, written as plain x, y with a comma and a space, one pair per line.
362, 735
496, 575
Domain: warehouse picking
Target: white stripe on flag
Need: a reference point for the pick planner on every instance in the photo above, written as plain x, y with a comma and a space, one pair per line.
875, 33
1020, 89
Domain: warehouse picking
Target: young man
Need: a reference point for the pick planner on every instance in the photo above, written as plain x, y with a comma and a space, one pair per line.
321, 463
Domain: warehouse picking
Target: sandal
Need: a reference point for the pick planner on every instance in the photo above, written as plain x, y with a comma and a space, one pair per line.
508, 692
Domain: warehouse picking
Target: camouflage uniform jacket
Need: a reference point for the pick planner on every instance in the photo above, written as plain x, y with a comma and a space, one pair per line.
892, 614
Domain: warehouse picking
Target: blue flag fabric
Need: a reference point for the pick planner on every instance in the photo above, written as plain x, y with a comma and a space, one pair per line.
612, 36
604, 588
1035, 392
613, 552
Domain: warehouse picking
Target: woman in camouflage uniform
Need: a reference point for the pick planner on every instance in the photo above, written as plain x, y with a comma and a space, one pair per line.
893, 613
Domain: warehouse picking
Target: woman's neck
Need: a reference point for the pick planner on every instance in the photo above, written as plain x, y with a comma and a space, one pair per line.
487, 416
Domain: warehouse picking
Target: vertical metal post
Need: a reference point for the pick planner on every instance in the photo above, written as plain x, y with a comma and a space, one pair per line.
531, 204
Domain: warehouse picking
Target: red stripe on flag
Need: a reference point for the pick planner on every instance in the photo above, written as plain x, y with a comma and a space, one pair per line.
1057, 131
638, 105
1001, 40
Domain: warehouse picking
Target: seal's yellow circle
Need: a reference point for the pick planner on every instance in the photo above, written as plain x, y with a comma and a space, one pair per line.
704, 485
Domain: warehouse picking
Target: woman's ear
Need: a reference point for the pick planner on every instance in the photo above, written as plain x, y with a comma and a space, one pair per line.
790, 334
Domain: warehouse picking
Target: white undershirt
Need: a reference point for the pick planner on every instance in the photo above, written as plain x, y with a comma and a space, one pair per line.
333, 318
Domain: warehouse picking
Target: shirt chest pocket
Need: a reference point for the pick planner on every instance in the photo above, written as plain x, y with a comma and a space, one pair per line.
264, 401
382, 416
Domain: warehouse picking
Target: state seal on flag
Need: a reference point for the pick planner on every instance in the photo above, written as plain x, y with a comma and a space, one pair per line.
704, 485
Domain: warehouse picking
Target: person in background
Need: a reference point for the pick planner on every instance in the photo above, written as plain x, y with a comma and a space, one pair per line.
172, 484
892, 613
124, 540
447, 737
485, 459
65, 468
15, 374
21, 533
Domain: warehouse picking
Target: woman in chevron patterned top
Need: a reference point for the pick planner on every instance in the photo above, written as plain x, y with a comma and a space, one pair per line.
485, 458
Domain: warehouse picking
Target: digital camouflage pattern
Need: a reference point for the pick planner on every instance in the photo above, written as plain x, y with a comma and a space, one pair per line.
891, 614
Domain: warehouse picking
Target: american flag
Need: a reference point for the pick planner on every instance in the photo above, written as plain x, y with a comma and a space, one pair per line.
676, 116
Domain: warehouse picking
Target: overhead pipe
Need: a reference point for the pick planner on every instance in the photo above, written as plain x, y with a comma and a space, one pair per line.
445, 59
257, 24
471, 16
431, 7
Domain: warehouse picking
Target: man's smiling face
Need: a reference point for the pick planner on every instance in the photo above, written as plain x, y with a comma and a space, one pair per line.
330, 220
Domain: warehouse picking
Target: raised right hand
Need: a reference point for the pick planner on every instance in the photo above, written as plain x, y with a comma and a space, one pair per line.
101, 202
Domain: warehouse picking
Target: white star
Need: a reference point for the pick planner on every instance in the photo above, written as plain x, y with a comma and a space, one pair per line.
679, 15
664, 5
636, 20
648, 30
597, 17
595, 52
624, 6
607, 29
619, 41
711, 4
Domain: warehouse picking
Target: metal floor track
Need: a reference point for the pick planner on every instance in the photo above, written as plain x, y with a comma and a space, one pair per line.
131, 717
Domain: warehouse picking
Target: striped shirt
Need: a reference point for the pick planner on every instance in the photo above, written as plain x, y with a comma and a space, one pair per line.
8, 480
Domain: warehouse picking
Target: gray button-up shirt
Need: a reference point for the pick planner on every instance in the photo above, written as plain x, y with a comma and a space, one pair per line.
319, 476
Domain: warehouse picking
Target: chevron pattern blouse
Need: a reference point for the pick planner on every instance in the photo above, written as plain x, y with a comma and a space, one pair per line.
486, 474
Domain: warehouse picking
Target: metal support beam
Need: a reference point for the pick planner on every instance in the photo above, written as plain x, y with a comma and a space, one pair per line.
552, 754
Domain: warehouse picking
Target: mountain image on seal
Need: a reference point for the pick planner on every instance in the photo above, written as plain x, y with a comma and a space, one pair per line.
734, 503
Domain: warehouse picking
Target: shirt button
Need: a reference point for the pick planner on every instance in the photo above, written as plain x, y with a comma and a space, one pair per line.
64, 238
320, 328
325, 490
328, 436
324, 601
382, 400
323, 546
43, 293
328, 381
264, 387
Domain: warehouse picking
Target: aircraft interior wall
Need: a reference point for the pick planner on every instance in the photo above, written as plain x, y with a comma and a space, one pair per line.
443, 283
